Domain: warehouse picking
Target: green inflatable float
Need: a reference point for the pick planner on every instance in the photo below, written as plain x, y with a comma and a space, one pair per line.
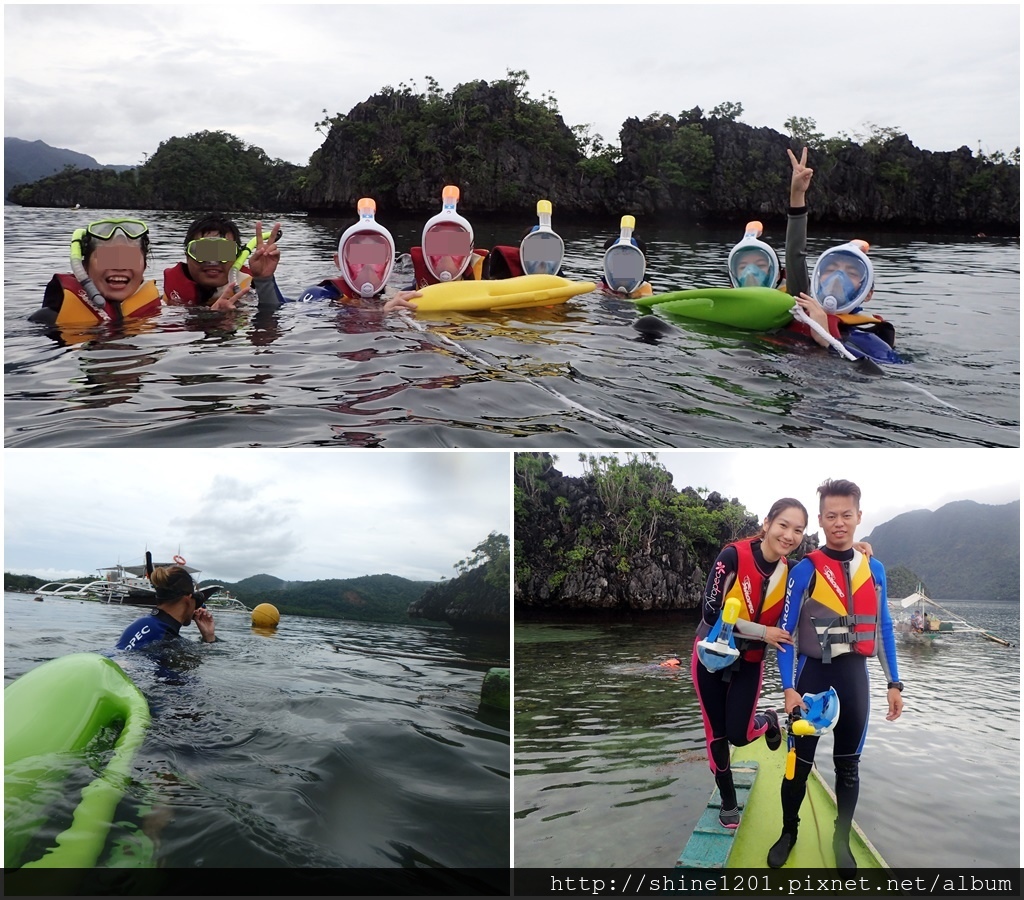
752, 308
51, 716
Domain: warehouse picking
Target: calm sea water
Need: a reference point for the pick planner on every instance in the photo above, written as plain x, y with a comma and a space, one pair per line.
327, 744
611, 768
576, 375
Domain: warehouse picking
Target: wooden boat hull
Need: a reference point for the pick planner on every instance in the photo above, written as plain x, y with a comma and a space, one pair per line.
758, 774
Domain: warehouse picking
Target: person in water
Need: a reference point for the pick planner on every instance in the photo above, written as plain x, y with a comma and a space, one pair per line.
107, 282
753, 571
843, 280
754, 263
838, 613
645, 289
338, 289
213, 244
179, 603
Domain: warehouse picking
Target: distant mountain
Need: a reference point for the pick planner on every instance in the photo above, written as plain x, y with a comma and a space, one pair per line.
963, 550
28, 161
369, 598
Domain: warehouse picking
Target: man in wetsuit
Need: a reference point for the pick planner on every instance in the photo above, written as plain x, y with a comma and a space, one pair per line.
179, 603
837, 611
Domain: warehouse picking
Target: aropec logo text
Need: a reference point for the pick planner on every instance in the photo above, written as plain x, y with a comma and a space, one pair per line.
831, 579
747, 591
716, 584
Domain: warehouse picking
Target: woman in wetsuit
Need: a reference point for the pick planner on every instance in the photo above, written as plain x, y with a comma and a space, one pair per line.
754, 571
179, 603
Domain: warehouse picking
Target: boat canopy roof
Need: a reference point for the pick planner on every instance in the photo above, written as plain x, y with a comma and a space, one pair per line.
140, 571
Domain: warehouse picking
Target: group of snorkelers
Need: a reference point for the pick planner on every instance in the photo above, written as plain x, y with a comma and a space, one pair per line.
108, 262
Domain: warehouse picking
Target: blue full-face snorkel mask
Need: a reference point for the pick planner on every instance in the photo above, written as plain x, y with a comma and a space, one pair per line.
832, 284
745, 273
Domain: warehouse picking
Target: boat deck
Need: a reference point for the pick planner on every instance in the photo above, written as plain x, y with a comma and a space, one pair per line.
758, 774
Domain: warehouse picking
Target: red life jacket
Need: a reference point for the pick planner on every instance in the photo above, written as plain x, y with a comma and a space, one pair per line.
840, 615
179, 288
504, 262
75, 309
761, 599
423, 277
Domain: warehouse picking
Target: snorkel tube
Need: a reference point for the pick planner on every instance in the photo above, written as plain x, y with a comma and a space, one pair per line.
541, 251
96, 299
820, 718
443, 241
366, 264
718, 650
750, 241
624, 262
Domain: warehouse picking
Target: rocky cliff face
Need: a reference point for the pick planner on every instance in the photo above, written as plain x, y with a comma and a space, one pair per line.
569, 559
505, 153
467, 603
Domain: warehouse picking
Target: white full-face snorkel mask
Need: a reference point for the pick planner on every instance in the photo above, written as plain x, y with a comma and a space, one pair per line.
843, 278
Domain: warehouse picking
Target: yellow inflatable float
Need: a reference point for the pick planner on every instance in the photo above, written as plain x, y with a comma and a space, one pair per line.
520, 292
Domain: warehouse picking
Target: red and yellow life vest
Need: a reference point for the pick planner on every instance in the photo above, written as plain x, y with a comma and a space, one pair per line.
75, 309
761, 599
179, 288
474, 271
843, 612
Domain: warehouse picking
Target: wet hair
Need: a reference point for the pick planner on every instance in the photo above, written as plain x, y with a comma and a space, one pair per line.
90, 243
779, 507
838, 487
171, 583
213, 222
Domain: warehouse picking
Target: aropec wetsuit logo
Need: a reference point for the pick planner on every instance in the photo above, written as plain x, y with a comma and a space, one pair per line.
138, 636
831, 579
747, 592
716, 584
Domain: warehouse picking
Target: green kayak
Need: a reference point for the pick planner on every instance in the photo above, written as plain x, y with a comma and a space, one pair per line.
758, 773
751, 308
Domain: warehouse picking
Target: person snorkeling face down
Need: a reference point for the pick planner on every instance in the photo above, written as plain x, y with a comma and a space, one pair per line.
212, 244
116, 265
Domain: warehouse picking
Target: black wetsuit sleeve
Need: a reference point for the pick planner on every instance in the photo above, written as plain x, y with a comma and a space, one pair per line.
53, 297
797, 280
720, 579
268, 294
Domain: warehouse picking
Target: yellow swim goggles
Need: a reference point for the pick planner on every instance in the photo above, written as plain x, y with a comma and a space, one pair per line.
212, 250
105, 229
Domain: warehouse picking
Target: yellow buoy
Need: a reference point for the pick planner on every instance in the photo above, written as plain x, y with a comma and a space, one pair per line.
266, 616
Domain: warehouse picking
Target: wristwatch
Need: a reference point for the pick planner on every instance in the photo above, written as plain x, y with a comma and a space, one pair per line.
896, 684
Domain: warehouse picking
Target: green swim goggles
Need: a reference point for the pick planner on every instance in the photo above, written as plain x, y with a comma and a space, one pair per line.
212, 250
105, 229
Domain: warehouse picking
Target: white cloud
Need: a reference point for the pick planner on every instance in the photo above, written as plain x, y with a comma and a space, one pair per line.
948, 75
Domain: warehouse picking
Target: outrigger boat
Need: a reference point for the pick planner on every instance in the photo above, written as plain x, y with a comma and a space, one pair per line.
130, 585
923, 627
757, 774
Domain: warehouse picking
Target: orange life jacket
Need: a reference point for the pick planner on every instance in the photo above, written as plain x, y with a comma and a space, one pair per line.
73, 306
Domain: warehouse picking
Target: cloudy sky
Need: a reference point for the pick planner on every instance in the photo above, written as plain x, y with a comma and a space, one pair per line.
892, 481
113, 81
295, 514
